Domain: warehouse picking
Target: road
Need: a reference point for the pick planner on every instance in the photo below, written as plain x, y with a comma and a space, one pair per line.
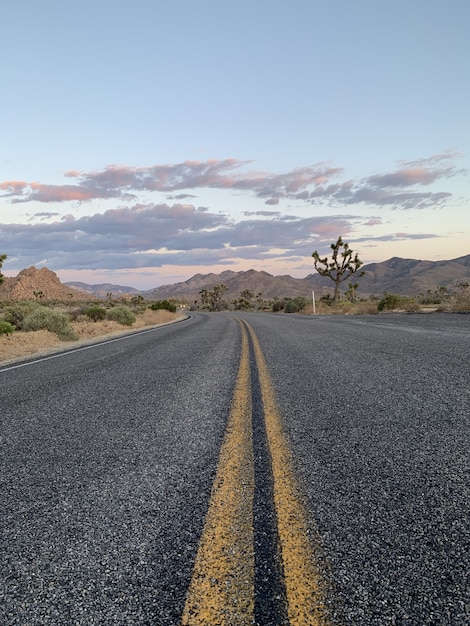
268, 469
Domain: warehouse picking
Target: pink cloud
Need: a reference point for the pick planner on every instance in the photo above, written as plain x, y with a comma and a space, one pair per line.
419, 172
310, 184
55, 193
13, 186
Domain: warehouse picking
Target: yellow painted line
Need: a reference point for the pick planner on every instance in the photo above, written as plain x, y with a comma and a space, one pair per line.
305, 588
222, 586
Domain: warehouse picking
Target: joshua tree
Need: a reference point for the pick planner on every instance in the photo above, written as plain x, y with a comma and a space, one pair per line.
204, 294
213, 299
341, 266
216, 296
351, 292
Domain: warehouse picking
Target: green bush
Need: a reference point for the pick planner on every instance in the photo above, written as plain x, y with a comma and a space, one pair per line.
295, 305
242, 304
42, 318
16, 313
392, 302
122, 315
6, 328
95, 312
163, 304
278, 305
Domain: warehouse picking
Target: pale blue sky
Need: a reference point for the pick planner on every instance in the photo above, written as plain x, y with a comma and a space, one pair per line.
143, 142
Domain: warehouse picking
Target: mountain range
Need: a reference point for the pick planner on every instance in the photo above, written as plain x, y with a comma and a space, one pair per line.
396, 275
400, 276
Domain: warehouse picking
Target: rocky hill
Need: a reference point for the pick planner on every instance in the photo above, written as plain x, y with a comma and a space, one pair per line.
38, 284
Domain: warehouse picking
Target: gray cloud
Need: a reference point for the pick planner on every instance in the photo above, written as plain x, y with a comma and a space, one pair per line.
152, 235
181, 196
394, 237
43, 215
261, 213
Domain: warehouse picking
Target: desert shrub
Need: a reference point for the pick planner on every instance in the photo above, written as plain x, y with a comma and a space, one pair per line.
242, 304
78, 313
6, 328
16, 313
43, 318
163, 304
295, 305
95, 312
411, 305
327, 299
122, 315
392, 302
459, 303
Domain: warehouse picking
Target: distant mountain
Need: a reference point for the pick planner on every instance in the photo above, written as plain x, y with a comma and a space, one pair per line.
102, 290
257, 282
411, 277
401, 276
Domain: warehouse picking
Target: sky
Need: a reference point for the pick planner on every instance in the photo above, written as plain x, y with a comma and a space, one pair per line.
144, 142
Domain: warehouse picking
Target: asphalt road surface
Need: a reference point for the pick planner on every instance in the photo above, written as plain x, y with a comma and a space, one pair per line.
272, 469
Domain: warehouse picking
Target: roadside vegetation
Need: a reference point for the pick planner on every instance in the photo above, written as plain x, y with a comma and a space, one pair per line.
347, 303
70, 321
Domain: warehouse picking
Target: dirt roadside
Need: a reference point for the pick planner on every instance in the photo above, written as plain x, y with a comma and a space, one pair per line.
22, 345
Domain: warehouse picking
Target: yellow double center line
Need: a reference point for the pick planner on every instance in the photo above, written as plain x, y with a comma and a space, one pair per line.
222, 587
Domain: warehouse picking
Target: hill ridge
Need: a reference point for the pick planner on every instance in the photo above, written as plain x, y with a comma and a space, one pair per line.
395, 275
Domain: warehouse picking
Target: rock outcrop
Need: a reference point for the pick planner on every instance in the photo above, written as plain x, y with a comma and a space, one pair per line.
38, 284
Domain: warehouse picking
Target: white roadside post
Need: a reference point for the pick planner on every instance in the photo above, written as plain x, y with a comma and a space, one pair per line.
313, 300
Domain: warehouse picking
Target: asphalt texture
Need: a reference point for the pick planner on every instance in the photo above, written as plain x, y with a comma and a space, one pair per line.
107, 457
377, 410
107, 462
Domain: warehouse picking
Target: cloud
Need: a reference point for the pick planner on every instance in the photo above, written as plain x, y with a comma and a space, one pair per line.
420, 172
138, 233
124, 181
399, 189
309, 184
43, 215
13, 187
29, 192
152, 235
181, 196
261, 213
393, 237
404, 178
378, 197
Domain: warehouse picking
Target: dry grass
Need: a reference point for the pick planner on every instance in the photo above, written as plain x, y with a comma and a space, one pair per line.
459, 303
343, 308
40, 342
